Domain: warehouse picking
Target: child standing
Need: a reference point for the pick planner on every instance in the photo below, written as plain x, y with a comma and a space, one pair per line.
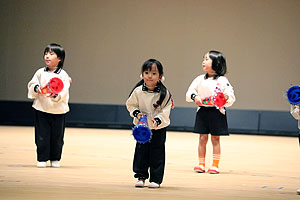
209, 119
295, 111
150, 97
50, 110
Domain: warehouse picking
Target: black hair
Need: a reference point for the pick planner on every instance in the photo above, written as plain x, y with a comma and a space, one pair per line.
160, 86
218, 62
58, 50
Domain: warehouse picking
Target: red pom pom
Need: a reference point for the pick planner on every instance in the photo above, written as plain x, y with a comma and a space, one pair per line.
219, 100
56, 85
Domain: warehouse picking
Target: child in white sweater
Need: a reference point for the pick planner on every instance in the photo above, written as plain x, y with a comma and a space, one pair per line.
295, 111
50, 109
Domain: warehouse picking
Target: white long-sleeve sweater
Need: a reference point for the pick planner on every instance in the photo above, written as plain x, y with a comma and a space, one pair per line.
143, 101
295, 111
58, 105
205, 87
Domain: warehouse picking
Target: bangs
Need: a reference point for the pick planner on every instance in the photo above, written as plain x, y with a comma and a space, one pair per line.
53, 48
47, 49
148, 67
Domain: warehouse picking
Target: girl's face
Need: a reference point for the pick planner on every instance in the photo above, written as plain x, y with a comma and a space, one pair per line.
51, 59
207, 64
151, 77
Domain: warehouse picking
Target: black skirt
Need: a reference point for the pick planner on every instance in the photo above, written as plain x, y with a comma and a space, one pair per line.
209, 120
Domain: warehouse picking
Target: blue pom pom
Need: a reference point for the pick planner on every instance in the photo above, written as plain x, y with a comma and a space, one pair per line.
293, 95
142, 133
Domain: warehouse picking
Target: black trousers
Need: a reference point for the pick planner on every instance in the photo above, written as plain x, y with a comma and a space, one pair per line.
151, 156
49, 135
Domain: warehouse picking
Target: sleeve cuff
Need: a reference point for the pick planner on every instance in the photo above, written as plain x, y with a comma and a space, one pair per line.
193, 96
135, 113
36, 88
158, 121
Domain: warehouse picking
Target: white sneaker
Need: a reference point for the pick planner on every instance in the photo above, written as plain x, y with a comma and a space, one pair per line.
41, 164
140, 183
199, 169
213, 170
298, 191
153, 185
55, 163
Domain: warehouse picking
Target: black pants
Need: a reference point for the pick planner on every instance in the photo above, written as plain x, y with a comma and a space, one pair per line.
49, 135
151, 155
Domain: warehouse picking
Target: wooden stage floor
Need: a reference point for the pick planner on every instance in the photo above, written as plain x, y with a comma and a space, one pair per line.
97, 164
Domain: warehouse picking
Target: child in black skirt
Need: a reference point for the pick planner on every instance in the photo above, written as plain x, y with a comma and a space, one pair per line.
210, 119
150, 97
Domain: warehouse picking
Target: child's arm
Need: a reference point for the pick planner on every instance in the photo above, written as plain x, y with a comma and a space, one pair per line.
132, 105
163, 116
34, 86
192, 93
295, 111
65, 92
228, 93
198, 100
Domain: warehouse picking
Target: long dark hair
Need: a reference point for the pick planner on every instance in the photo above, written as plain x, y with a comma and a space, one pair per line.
218, 62
59, 50
160, 86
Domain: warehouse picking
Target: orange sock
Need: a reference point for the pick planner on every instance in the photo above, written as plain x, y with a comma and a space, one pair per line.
202, 160
216, 160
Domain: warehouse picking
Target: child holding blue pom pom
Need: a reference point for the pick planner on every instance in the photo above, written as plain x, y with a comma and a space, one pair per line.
295, 111
152, 98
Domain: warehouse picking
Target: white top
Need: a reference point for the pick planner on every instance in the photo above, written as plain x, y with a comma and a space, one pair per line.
205, 88
58, 105
144, 100
295, 111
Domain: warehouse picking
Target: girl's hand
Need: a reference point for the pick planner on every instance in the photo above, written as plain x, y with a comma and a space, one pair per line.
154, 124
140, 115
173, 105
198, 101
226, 96
37, 89
52, 95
